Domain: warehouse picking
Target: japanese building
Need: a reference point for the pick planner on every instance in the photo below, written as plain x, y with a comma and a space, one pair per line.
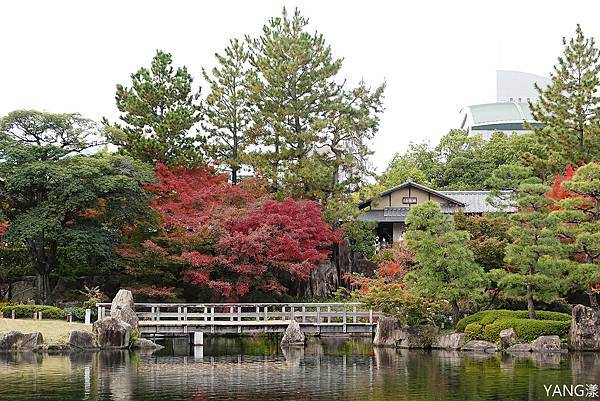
390, 208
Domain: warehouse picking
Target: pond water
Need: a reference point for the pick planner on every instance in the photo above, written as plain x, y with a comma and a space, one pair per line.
259, 370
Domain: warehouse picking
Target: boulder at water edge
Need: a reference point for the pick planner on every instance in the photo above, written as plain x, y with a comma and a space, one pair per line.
387, 332
82, 339
293, 335
546, 344
15, 340
585, 329
480, 346
145, 344
122, 308
519, 348
416, 337
112, 333
449, 341
507, 337
31, 341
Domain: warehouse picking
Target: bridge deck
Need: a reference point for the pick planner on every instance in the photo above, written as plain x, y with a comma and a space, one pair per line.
242, 318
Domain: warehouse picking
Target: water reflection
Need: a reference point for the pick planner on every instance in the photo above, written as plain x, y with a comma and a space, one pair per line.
257, 368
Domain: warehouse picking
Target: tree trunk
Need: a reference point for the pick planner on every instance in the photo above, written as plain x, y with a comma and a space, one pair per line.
530, 304
455, 311
593, 300
43, 292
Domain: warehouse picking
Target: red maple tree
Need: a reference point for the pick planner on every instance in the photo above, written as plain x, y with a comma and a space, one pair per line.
233, 239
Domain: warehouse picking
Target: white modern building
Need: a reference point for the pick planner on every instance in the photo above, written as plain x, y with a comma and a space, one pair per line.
510, 113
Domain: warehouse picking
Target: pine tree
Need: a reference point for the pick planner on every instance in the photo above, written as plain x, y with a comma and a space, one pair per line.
312, 131
158, 111
227, 111
292, 84
569, 107
445, 268
532, 267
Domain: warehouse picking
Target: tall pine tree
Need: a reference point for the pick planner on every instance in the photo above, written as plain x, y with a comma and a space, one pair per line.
227, 111
159, 111
569, 107
532, 268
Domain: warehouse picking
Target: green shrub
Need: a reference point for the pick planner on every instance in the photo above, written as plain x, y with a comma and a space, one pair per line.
473, 331
526, 329
490, 316
27, 311
78, 313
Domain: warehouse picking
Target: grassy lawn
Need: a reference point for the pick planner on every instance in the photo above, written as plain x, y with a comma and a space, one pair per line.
54, 331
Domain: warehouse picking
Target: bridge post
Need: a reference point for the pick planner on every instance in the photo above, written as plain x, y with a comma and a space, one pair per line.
344, 319
231, 313
185, 312
205, 314
197, 338
266, 310
318, 315
179, 313
370, 316
257, 313
283, 313
329, 314
212, 314
304, 314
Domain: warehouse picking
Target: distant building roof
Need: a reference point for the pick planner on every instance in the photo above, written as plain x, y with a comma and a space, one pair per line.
408, 183
477, 201
469, 202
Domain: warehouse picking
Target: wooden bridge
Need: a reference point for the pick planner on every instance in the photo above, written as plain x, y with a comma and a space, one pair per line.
162, 319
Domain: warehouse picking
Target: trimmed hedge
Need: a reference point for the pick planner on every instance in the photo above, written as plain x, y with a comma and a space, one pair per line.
527, 329
27, 311
487, 325
48, 312
489, 316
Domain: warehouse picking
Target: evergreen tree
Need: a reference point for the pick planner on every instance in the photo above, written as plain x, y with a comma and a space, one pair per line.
569, 107
579, 228
292, 85
532, 267
445, 267
311, 132
158, 112
227, 111
56, 199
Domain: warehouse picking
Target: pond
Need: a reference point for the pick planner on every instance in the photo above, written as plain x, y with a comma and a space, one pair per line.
258, 369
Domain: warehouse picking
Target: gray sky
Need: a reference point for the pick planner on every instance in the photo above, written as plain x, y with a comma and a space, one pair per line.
436, 56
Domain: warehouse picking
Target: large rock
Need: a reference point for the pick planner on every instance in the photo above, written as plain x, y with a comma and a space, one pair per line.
546, 344
449, 341
31, 341
293, 335
585, 329
82, 339
416, 337
10, 340
507, 337
112, 333
480, 346
122, 308
519, 348
387, 332
145, 344
15, 340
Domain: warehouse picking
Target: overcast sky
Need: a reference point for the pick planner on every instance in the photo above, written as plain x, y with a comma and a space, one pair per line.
436, 56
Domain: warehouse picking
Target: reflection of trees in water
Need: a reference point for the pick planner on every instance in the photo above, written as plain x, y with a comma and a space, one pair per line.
315, 372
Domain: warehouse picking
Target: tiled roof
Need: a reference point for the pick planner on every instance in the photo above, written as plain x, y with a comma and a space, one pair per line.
477, 201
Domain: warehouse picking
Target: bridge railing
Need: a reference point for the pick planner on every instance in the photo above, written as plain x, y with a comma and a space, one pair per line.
207, 313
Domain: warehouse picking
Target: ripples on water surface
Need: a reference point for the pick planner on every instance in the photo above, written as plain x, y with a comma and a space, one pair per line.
258, 370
